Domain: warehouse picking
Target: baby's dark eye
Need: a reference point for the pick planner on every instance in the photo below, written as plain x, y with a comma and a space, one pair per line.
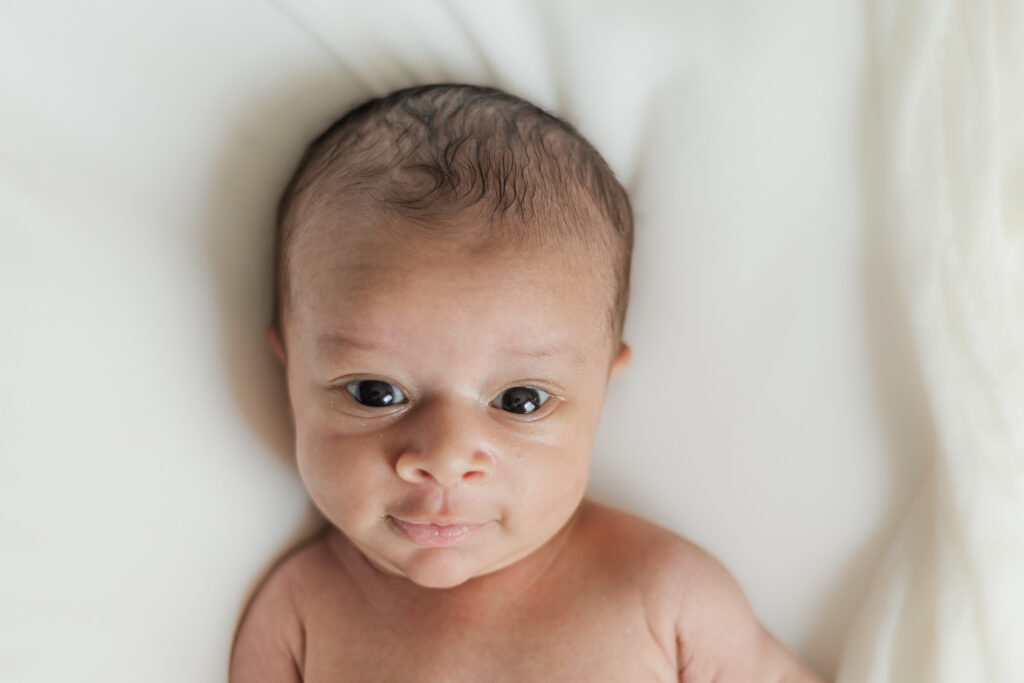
521, 400
375, 393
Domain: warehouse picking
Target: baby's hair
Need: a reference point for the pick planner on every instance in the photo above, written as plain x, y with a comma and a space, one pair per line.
431, 153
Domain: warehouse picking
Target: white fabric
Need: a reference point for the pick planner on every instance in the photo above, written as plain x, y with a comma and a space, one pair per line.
146, 477
948, 604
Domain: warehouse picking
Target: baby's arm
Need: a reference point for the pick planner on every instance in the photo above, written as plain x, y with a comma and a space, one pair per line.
718, 636
269, 642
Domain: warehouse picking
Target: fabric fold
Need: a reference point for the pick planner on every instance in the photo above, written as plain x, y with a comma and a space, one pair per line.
948, 602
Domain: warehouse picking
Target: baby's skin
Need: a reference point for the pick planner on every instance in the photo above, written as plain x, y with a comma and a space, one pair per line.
445, 401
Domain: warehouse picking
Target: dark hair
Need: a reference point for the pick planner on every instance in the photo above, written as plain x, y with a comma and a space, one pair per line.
428, 153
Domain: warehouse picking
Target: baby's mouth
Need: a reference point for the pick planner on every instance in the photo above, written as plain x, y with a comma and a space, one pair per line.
435, 533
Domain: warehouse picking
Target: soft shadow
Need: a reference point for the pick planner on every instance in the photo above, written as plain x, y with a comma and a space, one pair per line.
841, 604
895, 380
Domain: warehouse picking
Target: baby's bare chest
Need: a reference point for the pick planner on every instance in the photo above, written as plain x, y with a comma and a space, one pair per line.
581, 638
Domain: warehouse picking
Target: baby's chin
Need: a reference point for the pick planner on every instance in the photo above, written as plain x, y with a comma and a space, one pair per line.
446, 567
438, 578
440, 568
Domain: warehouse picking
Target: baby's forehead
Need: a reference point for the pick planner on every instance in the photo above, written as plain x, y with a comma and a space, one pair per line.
367, 238
409, 290
365, 247
366, 252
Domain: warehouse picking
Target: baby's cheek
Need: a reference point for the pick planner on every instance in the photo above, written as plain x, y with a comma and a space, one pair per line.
330, 468
559, 472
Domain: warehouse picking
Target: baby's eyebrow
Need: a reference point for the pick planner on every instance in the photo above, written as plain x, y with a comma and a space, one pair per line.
574, 354
332, 340
539, 353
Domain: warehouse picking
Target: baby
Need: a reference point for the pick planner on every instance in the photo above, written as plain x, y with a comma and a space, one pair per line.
452, 279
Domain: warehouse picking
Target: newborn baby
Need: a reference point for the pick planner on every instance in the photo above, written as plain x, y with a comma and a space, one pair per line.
452, 280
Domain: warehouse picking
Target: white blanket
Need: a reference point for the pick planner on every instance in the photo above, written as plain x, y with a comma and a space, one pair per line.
145, 459
948, 605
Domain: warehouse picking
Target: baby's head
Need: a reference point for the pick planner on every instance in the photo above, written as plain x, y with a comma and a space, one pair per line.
452, 280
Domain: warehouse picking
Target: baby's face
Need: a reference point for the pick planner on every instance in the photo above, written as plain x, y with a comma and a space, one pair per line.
445, 404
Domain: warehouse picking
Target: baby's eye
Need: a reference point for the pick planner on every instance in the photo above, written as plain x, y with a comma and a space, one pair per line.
375, 393
521, 400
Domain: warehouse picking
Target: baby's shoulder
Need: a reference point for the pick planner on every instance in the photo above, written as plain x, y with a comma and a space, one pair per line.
270, 641
656, 557
689, 594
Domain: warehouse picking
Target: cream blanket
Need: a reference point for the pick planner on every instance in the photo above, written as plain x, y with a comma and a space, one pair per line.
948, 604
146, 476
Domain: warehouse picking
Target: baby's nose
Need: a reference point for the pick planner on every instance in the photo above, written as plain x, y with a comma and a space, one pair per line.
447, 469
448, 446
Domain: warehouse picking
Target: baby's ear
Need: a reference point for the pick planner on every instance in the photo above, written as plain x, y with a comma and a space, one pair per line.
621, 360
274, 337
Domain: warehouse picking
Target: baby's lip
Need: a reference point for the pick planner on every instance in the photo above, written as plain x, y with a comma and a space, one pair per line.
435, 532
438, 521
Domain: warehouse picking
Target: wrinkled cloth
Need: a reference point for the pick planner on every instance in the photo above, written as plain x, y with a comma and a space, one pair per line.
948, 602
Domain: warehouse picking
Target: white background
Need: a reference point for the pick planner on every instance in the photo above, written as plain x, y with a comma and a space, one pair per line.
772, 413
